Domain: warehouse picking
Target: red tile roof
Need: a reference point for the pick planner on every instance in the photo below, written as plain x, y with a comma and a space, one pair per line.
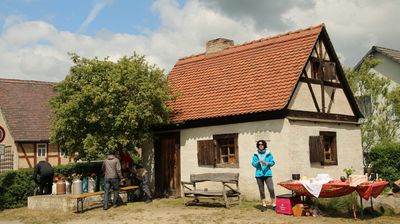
25, 105
253, 77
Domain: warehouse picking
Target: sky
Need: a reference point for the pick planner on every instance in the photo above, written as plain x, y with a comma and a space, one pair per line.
37, 35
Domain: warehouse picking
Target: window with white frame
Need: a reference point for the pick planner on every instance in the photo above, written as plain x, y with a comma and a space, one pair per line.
41, 149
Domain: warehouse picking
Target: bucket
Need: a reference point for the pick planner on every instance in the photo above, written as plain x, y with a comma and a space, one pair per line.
77, 187
61, 188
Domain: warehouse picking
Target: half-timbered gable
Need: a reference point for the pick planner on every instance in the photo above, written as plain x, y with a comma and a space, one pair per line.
322, 87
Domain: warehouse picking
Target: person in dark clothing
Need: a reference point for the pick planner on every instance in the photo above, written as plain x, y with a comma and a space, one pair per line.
140, 174
46, 173
112, 178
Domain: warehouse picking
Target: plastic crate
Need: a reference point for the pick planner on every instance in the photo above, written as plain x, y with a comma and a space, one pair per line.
285, 203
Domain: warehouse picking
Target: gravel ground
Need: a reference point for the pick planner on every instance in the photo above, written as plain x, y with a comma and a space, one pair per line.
173, 211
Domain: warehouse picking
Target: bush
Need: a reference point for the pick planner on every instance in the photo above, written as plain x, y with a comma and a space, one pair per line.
17, 185
385, 161
84, 168
15, 188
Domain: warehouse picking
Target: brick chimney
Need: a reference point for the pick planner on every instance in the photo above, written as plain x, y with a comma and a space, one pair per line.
217, 45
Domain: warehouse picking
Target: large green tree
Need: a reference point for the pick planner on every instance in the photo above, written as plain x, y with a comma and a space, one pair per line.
103, 106
379, 103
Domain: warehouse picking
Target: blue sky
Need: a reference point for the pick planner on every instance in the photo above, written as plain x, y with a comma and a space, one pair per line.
120, 16
36, 35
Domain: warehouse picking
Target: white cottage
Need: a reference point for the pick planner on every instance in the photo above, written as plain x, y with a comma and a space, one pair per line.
288, 89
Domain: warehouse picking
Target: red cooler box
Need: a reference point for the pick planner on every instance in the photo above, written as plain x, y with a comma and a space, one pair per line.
285, 202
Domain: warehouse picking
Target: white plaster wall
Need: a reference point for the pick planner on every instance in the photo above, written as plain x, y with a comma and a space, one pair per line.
273, 131
349, 149
302, 100
288, 141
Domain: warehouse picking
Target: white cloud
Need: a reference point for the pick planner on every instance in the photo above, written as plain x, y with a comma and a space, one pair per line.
354, 26
38, 50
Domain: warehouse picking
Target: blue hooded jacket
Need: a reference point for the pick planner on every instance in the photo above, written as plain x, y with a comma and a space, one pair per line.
262, 170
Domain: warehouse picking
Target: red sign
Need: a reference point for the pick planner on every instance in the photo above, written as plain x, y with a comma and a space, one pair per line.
2, 134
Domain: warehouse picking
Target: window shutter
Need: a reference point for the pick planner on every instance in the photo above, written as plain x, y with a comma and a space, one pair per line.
316, 149
329, 71
205, 153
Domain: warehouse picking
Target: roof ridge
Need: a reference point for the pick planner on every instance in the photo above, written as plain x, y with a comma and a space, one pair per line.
4, 80
255, 41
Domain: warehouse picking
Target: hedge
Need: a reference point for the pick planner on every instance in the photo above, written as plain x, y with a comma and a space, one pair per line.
385, 160
17, 185
15, 188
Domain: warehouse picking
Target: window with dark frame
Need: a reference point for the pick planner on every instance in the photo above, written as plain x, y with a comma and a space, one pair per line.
323, 148
221, 151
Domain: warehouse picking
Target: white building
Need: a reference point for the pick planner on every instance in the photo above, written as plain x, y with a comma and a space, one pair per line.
288, 89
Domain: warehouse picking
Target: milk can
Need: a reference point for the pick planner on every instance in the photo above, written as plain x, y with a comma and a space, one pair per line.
60, 187
54, 188
67, 187
77, 187
91, 184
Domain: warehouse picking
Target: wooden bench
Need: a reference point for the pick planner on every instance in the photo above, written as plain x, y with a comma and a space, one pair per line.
80, 198
229, 187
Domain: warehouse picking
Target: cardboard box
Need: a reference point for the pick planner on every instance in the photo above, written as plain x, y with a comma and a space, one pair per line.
285, 203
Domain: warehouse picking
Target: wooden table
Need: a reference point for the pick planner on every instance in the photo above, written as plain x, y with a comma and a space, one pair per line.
338, 188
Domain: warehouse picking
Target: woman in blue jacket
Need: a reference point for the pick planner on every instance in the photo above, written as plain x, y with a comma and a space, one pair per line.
263, 161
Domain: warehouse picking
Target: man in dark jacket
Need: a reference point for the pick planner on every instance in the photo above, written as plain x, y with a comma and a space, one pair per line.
112, 177
46, 173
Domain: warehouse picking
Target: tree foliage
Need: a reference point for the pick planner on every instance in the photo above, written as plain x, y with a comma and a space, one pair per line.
104, 106
380, 125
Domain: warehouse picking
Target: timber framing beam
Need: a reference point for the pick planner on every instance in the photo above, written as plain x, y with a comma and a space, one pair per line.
26, 156
321, 116
312, 92
319, 82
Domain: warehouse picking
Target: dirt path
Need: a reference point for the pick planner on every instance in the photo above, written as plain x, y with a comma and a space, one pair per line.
172, 211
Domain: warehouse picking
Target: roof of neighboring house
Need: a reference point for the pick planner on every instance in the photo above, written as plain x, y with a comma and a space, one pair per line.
258, 76
25, 105
391, 53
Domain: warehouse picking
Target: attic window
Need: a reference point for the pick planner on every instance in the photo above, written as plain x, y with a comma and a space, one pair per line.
315, 74
327, 67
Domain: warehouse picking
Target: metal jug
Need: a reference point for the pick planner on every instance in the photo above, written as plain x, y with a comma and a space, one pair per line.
77, 187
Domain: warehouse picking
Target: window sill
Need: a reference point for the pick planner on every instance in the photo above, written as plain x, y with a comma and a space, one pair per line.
329, 163
225, 165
